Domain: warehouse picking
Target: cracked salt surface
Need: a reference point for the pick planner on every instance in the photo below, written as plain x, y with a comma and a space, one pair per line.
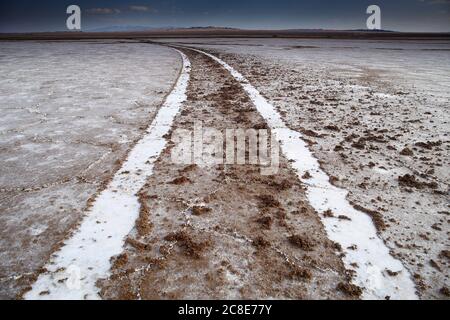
371, 259
85, 258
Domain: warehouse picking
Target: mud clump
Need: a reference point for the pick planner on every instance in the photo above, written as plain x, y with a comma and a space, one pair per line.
410, 181
435, 265
199, 211
137, 244
377, 217
260, 126
445, 291
436, 227
184, 241
143, 224
164, 250
392, 273
406, 152
120, 261
338, 148
360, 145
328, 214
300, 274
268, 201
445, 254
260, 243
332, 128
189, 168
303, 210
301, 242
428, 145
282, 185
180, 180
310, 133
307, 175
265, 222
336, 246
350, 290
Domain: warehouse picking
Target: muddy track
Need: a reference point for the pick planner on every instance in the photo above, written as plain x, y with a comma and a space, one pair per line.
225, 231
408, 213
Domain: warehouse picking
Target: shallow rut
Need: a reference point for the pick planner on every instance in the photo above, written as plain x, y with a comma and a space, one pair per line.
225, 231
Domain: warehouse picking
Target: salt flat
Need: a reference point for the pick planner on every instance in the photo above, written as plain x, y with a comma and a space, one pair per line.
373, 115
70, 113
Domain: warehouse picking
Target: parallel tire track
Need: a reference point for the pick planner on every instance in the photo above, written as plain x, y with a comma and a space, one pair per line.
368, 257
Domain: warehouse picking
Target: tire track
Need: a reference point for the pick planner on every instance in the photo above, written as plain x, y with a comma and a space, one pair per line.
224, 231
380, 274
268, 265
73, 271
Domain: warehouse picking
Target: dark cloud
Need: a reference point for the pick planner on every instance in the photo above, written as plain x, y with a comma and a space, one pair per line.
140, 8
443, 2
401, 15
103, 11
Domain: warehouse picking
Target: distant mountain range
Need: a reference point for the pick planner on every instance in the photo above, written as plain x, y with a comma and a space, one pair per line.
125, 29
365, 30
129, 28
136, 32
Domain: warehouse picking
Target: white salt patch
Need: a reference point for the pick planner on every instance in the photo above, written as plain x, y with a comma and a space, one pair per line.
85, 257
37, 229
371, 254
384, 171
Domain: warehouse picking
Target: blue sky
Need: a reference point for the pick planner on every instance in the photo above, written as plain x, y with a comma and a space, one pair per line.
401, 15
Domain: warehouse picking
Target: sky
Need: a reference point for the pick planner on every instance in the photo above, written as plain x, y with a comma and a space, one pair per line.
398, 15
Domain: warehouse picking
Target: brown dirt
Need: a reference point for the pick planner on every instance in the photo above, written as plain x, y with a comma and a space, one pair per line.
411, 181
187, 244
238, 247
198, 211
268, 201
300, 274
328, 214
143, 224
445, 291
350, 289
301, 242
378, 140
180, 180
407, 152
260, 243
377, 217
